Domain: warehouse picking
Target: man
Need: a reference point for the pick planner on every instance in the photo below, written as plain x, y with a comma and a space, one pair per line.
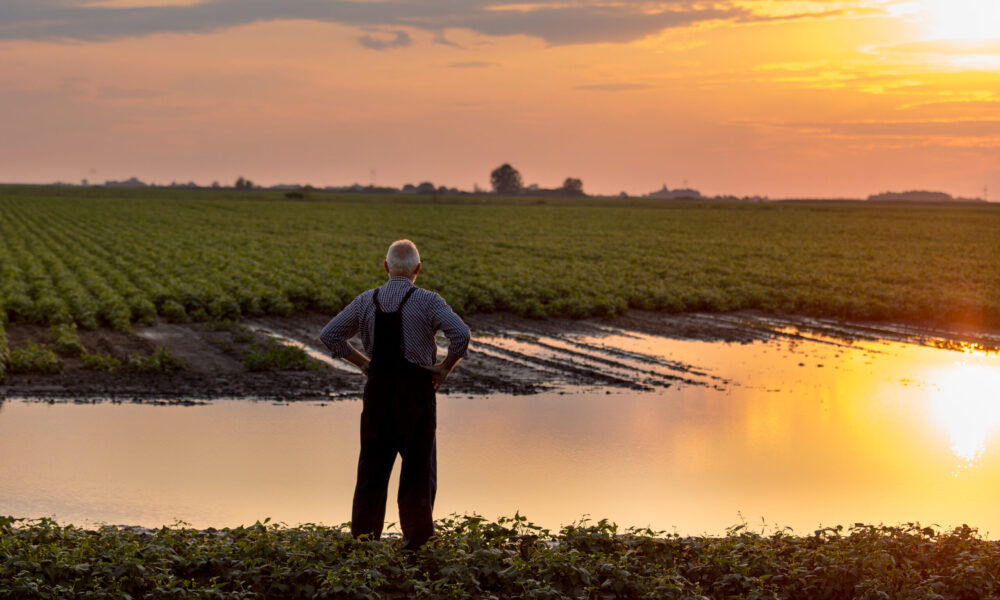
397, 322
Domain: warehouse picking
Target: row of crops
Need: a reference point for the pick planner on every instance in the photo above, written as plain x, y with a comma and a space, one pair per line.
96, 258
509, 558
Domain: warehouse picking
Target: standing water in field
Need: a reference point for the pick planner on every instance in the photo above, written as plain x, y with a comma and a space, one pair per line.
793, 428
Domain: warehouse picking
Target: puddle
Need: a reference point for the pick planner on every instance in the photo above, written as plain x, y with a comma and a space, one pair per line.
796, 427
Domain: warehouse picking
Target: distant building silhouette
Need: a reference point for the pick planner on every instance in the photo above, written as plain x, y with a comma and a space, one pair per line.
918, 196
131, 182
678, 194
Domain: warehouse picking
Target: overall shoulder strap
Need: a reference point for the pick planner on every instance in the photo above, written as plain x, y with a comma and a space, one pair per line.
405, 298
378, 307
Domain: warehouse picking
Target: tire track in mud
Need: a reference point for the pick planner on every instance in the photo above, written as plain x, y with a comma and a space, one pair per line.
567, 372
574, 362
518, 362
634, 357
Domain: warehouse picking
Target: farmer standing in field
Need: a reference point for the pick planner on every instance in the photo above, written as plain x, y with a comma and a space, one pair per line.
397, 322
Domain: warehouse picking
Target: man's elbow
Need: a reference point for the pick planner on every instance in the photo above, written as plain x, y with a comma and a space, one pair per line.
340, 350
327, 340
459, 345
336, 344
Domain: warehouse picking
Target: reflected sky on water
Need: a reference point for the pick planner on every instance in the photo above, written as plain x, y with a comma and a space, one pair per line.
805, 433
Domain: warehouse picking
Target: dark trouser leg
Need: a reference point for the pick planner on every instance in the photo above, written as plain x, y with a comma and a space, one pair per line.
418, 476
378, 452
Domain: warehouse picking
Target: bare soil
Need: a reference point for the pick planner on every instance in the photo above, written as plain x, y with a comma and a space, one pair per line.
509, 354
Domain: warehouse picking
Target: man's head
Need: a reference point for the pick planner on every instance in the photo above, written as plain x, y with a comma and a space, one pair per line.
402, 259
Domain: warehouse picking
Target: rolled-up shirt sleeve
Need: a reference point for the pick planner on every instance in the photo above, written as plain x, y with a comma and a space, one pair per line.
444, 319
341, 328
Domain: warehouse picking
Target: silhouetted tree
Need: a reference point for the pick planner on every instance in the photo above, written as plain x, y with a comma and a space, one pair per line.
426, 188
506, 180
243, 184
572, 187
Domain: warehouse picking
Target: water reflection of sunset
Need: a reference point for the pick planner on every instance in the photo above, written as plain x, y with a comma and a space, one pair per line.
965, 402
804, 432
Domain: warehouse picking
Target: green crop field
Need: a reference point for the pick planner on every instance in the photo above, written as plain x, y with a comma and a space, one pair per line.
99, 257
509, 558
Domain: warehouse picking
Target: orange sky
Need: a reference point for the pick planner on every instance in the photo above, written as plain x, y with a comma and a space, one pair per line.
776, 97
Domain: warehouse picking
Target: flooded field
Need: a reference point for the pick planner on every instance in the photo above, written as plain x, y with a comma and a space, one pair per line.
797, 425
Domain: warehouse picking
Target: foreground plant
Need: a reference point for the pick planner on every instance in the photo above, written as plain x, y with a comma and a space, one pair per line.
509, 558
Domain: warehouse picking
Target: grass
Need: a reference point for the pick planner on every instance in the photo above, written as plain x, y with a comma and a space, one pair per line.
272, 355
508, 558
116, 257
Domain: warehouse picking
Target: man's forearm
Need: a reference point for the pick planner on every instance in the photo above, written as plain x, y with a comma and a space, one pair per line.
358, 359
450, 362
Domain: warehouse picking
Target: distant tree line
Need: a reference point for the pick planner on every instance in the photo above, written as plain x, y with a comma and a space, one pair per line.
506, 181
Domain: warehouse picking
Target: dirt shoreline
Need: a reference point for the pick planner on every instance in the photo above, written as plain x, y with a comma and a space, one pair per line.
509, 355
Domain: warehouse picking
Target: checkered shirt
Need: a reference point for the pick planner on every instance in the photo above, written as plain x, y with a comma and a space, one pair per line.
424, 314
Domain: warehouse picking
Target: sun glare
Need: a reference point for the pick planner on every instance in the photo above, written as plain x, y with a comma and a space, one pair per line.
963, 20
966, 405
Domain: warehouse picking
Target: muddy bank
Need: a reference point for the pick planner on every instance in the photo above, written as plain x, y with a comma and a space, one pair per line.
509, 354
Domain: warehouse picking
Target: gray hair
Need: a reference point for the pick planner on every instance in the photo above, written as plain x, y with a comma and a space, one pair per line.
402, 258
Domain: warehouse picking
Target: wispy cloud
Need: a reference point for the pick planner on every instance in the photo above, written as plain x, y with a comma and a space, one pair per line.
117, 93
958, 128
555, 21
942, 47
969, 103
400, 39
969, 54
613, 87
473, 64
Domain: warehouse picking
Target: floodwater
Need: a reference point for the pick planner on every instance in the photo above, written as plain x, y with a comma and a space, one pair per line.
802, 431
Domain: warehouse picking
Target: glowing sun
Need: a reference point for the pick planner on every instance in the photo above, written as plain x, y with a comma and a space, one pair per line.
959, 20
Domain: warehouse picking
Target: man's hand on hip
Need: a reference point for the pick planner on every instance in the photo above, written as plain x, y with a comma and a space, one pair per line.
440, 371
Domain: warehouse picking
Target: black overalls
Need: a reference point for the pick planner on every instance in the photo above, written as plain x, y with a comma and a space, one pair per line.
399, 415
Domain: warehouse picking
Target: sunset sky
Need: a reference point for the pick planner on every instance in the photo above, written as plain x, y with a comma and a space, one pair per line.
773, 97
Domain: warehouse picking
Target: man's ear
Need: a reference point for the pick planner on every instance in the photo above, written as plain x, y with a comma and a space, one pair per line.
417, 270
385, 265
